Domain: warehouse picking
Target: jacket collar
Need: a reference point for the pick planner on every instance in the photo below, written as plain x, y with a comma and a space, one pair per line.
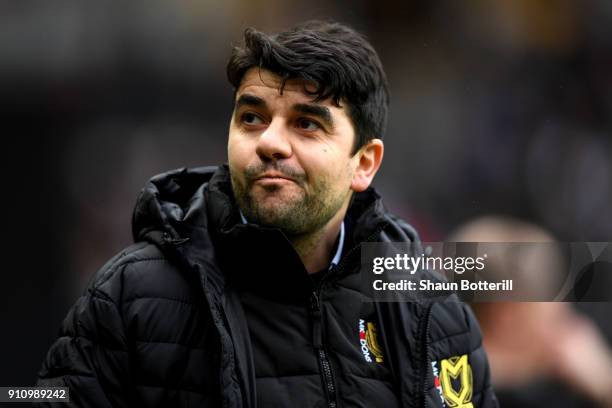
339, 244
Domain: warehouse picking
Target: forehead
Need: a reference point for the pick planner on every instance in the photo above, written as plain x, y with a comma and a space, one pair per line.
266, 85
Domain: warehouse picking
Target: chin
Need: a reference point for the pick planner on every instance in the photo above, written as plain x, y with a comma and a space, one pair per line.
275, 198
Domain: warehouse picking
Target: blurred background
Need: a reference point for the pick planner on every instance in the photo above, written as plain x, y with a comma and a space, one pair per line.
497, 106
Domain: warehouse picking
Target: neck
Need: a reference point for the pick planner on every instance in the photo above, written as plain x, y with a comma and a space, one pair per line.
317, 249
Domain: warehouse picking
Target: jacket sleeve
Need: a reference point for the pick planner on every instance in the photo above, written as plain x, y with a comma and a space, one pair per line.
90, 357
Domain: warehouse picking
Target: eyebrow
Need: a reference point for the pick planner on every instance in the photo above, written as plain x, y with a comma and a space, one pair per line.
249, 100
321, 112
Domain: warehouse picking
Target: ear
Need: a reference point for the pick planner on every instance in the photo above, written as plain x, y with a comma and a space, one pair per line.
369, 158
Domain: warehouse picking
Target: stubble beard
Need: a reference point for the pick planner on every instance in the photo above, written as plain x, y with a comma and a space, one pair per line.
295, 211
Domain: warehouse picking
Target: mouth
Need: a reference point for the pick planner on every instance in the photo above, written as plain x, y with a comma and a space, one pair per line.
274, 177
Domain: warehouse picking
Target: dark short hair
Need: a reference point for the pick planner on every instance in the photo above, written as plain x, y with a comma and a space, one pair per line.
339, 61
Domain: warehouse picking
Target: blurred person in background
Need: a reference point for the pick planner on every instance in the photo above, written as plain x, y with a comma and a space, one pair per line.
538, 351
243, 286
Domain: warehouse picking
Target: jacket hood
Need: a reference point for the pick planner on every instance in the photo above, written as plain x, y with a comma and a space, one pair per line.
170, 202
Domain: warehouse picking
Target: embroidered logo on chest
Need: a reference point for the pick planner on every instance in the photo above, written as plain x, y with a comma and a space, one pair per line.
368, 342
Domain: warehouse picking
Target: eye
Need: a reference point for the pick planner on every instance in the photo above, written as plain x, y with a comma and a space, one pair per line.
251, 119
307, 124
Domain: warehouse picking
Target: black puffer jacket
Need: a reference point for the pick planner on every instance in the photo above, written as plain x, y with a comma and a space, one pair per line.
161, 325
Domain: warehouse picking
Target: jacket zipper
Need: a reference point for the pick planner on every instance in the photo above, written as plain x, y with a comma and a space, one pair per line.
425, 327
317, 329
317, 341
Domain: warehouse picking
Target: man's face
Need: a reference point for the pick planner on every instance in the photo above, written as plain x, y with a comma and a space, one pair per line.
290, 158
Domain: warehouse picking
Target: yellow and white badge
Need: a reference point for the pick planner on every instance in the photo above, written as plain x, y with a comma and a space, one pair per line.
454, 381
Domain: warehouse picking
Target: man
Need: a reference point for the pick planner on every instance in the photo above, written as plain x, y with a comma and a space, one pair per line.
243, 287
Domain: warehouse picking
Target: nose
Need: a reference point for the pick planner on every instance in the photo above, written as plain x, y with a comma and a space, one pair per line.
273, 143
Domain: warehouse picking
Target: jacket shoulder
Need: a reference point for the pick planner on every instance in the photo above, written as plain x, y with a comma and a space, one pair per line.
132, 255
141, 270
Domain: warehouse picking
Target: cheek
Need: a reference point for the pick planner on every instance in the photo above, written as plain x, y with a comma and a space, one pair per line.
315, 161
333, 167
237, 152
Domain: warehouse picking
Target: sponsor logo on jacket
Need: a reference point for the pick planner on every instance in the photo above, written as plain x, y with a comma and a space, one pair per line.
368, 342
454, 382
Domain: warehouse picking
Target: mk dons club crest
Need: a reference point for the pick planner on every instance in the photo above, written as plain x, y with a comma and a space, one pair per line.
368, 341
453, 381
